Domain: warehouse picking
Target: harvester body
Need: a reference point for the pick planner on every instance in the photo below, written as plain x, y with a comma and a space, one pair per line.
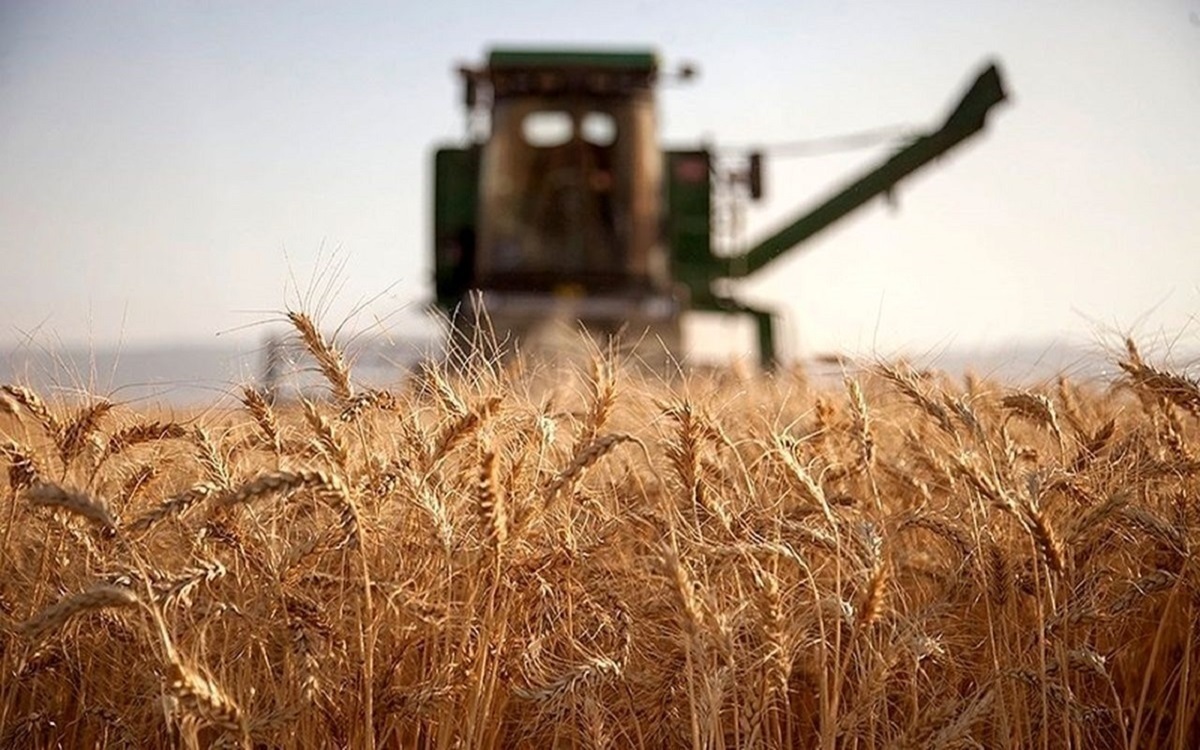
562, 209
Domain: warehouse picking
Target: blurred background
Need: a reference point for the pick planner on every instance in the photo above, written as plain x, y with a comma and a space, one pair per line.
172, 175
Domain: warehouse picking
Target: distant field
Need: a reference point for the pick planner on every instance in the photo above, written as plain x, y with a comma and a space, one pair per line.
506, 556
198, 375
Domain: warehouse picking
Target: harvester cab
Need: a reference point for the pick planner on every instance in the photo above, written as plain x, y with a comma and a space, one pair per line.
562, 209
553, 210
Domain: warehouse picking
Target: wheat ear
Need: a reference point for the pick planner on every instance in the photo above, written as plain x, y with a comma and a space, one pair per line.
329, 360
264, 416
56, 615
329, 441
81, 504
492, 511
587, 456
203, 698
22, 469
32, 403
175, 506
328, 487
138, 434
72, 437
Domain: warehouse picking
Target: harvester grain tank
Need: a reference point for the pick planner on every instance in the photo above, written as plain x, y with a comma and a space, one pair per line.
562, 206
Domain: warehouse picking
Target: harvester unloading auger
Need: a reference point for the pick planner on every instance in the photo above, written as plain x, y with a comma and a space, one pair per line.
563, 207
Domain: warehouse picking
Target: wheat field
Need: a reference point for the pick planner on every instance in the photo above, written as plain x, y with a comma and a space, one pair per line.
499, 556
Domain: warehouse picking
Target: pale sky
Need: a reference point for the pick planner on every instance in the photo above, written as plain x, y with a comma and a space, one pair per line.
164, 164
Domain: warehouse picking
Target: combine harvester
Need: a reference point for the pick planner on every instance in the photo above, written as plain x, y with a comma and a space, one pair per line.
563, 208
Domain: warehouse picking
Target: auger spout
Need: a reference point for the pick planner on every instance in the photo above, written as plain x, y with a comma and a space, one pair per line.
966, 120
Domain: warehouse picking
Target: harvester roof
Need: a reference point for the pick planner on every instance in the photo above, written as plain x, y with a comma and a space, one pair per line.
550, 72
633, 60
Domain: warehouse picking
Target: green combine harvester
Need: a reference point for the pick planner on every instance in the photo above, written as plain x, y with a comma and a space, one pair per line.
563, 207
